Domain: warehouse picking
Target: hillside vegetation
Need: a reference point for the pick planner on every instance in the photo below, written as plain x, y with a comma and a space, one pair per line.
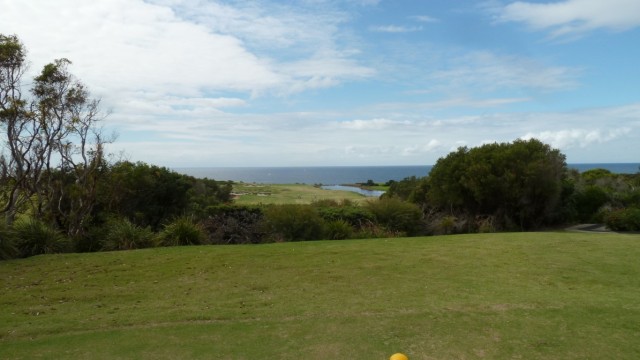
493, 296
256, 194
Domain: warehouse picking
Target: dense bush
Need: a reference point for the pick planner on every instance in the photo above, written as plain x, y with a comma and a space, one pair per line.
33, 237
521, 183
293, 223
122, 234
351, 213
623, 219
234, 225
397, 215
8, 249
588, 201
182, 231
149, 195
338, 230
412, 189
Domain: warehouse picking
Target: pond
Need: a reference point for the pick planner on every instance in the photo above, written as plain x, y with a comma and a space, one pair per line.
368, 193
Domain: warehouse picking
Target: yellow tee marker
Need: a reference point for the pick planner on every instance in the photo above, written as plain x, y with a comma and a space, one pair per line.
398, 356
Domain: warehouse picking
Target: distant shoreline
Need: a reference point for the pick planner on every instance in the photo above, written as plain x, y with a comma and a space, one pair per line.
336, 175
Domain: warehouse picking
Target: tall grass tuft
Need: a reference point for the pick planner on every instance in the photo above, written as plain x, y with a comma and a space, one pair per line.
182, 231
338, 230
122, 234
33, 237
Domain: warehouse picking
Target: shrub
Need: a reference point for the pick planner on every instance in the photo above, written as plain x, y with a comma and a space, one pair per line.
182, 231
623, 219
234, 225
589, 201
33, 237
397, 215
338, 230
293, 223
121, 234
353, 214
8, 249
371, 230
447, 224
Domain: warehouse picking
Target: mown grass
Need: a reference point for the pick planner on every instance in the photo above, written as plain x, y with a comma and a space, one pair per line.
492, 296
254, 194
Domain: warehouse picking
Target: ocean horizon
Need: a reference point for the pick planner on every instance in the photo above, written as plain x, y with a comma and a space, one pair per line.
337, 175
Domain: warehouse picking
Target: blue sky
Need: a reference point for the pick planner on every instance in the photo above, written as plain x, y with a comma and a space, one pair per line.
352, 82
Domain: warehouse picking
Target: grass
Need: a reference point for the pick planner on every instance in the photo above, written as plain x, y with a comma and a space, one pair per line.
492, 296
289, 194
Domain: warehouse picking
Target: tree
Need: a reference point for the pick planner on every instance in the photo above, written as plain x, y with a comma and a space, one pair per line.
14, 170
519, 183
53, 147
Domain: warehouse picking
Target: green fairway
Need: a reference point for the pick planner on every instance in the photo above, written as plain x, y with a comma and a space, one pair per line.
254, 194
490, 296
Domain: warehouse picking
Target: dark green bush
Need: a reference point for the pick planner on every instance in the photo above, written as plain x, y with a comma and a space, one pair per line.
8, 249
588, 201
352, 214
234, 225
121, 234
623, 219
33, 237
182, 231
293, 223
338, 230
397, 215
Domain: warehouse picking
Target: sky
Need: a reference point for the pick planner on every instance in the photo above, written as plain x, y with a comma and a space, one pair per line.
186, 83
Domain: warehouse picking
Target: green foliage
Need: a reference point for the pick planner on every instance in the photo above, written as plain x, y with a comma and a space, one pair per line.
145, 194
293, 223
588, 201
447, 224
520, 182
352, 213
8, 249
122, 234
149, 195
338, 230
12, 52
207, 192
234, 225
412, 189
593, 175
397, 215
623, 219
372, 230
182, 231
33, 237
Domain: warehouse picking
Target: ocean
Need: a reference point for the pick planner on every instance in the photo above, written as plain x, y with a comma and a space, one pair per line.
336, 175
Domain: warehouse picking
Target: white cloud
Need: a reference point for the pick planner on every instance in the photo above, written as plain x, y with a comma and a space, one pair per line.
394, 29
414, 150
572, 17
374, 124
570, 138
488, 71
158, 46
290, 139
122, 44
424, 18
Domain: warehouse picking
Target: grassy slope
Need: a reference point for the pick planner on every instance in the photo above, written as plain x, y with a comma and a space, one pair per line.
290, 194
494, 296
